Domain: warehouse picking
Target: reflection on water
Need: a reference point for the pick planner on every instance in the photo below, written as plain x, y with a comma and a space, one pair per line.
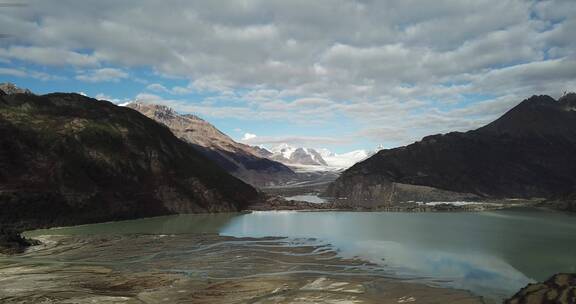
493, 253
490, 253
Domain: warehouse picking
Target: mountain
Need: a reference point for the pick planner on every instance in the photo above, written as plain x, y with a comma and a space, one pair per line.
240, 160
298, 156
528, 152
344, 160
69, 159
10, 88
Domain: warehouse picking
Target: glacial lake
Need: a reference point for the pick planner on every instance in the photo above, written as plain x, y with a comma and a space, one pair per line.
492, 254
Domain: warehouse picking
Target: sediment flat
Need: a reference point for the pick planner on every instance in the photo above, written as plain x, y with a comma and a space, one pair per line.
202, 268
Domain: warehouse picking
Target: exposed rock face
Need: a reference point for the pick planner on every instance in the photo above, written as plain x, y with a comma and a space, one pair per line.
9, 88
528, 152
240, 160
69, 159
12, 242
294, 156
307, 157
559, 289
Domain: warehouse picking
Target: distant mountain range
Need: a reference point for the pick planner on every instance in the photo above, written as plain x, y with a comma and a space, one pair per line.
255, 165
529, 152
309, 157
243, 161
69, 159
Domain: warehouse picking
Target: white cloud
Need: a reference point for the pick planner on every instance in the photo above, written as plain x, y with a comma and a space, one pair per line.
119, 101
49, 56
248, 136
13, 72
156, 87
102, 75
27, 73
300, 141
176, 90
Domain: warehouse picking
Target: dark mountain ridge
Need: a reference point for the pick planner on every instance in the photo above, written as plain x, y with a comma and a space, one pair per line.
69, 159
528, 152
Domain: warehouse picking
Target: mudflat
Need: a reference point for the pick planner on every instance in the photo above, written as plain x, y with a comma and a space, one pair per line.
202, 268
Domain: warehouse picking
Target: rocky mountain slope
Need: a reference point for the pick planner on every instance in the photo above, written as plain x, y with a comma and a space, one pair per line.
69, 159
528, 152
240, 160
10, 88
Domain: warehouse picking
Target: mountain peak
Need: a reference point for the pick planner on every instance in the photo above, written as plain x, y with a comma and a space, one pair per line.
528, 152
9, 88
568, 101
536, 101
295, 156
243, 161
150, 107
539, 114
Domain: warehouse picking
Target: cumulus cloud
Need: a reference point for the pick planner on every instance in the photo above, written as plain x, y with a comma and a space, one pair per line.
386, 65
248, 136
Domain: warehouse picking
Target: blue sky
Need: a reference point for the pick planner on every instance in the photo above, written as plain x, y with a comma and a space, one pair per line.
338, 74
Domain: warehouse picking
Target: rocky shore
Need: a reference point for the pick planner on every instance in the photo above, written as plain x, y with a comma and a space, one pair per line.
559, 289
11, 242
273, 202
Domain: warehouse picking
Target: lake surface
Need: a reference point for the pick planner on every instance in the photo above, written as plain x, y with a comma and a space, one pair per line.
492, 254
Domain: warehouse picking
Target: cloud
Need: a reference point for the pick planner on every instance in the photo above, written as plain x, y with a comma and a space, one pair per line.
419, 67
248, 136
177, 90
102, 75
300, 141
21, 72
13, 72
49, 56
119, 101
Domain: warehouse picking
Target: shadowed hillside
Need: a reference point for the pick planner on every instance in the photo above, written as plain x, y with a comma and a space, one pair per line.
528, 152
68, 159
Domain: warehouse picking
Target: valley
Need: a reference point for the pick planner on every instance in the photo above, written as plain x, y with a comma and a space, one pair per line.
380, 222
287, 152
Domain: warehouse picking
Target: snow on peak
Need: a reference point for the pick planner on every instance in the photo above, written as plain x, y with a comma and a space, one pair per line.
346, 160
322, 157
284, 150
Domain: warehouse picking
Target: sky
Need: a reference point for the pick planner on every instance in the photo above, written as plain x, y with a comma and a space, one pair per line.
336, 74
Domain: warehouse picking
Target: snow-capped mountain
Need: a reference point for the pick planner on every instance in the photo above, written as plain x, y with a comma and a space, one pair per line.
299, 156
345, 160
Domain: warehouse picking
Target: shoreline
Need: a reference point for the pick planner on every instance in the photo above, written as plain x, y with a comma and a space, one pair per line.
278, 203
